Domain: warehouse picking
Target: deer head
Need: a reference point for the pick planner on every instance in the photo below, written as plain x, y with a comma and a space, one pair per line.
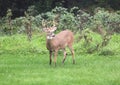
49, 30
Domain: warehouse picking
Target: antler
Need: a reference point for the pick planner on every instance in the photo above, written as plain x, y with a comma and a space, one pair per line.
56, 20
53, 28
43, 24
47, 27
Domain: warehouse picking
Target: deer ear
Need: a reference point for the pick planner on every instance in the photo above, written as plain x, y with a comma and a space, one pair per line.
45, 29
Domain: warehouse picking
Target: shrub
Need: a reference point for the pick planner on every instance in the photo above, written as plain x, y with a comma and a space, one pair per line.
108, 20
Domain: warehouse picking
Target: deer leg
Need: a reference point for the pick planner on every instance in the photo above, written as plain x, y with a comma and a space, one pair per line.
64, 55
55, 57
50, 52
72, 52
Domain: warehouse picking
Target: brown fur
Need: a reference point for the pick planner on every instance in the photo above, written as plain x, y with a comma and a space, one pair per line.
60, 41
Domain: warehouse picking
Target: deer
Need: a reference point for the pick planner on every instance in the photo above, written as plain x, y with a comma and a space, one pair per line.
55, 42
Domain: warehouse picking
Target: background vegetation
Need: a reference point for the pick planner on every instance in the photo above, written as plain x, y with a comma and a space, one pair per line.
23, 54
18, 7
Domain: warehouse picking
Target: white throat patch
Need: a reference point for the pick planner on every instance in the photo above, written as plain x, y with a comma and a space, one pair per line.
49, 37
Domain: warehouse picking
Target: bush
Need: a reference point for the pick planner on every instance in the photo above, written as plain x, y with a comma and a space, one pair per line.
108, 20
74, 19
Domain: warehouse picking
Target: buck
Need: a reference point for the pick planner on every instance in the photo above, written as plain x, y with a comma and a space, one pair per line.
59, 41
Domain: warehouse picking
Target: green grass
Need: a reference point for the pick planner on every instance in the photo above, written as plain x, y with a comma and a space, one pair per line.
27, 63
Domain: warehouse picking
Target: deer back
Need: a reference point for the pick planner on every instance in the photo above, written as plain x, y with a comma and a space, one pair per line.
60, 40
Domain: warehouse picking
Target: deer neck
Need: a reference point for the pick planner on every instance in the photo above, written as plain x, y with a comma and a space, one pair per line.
50, 41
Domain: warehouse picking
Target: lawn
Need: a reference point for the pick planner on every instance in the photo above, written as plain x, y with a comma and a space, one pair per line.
27, 63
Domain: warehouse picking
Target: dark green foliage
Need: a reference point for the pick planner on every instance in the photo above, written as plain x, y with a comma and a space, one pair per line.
74, 19
107, 53
6, 23
41, 6
108, 20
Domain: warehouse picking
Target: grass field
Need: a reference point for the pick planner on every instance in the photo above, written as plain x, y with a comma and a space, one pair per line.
27, 63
